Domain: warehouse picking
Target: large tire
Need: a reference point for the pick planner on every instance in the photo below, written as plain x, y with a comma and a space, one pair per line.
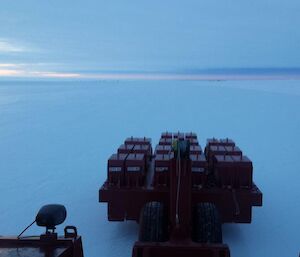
207, 227
153, 223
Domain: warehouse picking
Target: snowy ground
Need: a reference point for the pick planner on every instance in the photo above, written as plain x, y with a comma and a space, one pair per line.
56, 138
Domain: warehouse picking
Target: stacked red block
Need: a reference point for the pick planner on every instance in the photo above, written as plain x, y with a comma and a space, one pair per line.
143, 149
116, 169
198, 161
162, 161
129, 166
199, 169
125, 148
223, 142
138, 141
164, 154
162, 166
191, 135
229, 166
163, 149
233, 171
166, 135
178, 135
220, 147
214, 150
135, 170
165, 141
195, 149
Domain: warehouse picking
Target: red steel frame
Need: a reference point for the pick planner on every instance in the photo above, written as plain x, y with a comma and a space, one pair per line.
234, 203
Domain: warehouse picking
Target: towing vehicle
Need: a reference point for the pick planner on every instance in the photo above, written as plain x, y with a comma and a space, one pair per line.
48, 244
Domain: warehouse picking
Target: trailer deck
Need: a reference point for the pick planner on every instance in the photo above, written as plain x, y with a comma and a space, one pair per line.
178, 177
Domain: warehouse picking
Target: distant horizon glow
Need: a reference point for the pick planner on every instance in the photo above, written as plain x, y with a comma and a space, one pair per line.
123, 37
11, 71
8, 65
20, 73
66, 71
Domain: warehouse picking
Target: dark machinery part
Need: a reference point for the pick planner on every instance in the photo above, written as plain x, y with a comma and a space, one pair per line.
51, 215
48, 244
153, 223
207, 226
181, 147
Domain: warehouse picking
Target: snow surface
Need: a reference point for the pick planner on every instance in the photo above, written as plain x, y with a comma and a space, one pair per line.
56, 138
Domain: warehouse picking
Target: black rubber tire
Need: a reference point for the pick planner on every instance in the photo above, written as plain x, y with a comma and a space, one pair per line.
153, 223
207, 226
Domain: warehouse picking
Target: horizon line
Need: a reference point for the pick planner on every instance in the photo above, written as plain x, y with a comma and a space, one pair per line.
13, 72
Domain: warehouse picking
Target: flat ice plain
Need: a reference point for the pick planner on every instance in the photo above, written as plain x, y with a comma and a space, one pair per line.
56, 138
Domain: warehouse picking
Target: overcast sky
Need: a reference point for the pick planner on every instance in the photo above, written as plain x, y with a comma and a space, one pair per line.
69, 38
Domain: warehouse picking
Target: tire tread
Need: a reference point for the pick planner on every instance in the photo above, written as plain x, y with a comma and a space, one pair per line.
207, 226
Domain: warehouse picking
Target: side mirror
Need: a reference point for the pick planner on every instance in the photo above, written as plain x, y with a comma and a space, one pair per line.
51, 215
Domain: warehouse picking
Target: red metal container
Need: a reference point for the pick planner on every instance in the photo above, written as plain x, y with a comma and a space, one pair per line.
163, 149
195, 149
138, 141
233, 171
178, 135
125, 149
144, 149
199, 169
162, 169
166, 135
165, 141
190, 135
213, 150
116, 169
223, 142
135, 170
193, 141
